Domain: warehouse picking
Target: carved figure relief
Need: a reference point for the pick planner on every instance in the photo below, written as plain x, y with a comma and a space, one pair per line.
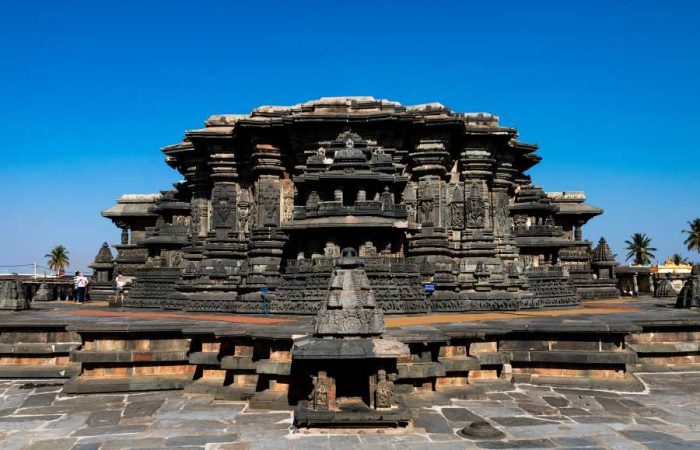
223, 200
287, 200
408, 198
320, 394
426, 210
501, 216
475, 208
457, 208
383, 395
244, 205
195, 219
268, 204
312, 202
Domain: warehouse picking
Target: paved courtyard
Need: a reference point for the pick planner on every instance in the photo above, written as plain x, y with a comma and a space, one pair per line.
35, 415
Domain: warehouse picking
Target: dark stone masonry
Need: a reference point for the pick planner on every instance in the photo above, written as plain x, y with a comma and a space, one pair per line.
428, 198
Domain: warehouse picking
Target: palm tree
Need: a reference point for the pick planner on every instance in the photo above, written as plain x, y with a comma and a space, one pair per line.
678, 259
58, 259
693, 240
639, 248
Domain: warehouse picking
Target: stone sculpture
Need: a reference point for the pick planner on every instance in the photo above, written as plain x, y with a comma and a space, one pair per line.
43, 294
664, 288
13, 296
321, 392
384, 393
690, 293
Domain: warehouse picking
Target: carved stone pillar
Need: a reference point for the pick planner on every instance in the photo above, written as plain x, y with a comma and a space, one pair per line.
578, 231
124, 235
274, 202
502, 223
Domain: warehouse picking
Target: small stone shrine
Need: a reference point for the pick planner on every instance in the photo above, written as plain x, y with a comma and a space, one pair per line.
690, 294
102, 282
43, 294
351, 364
603, 265
664, 287
13, 296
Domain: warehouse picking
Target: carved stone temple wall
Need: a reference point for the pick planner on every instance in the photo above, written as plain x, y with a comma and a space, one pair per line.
427, 196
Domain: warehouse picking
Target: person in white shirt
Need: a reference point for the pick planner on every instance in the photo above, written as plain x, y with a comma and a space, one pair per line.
81, 283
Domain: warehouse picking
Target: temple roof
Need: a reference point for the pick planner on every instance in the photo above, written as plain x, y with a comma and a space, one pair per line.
602, 252
104, 258
132, 205
349, 107
573, 203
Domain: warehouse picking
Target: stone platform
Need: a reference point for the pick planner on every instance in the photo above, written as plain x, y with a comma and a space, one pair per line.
234, 357
36, 415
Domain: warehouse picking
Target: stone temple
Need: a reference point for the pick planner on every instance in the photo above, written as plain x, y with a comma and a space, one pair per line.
437, 204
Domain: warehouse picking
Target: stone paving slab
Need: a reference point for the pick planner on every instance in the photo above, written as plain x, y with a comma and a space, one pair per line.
623, 314
665, 416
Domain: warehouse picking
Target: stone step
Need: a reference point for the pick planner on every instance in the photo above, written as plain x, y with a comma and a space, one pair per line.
628, 383
666, 347
38, 348
38, 371
91, 385
216, 389
91, 356
204, 358
573, 357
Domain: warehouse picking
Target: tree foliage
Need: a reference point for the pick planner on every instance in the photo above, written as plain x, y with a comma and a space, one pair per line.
692, 242
58, 259
639, 249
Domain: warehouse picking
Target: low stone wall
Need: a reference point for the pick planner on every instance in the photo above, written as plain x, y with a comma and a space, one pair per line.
236, 363
37, 351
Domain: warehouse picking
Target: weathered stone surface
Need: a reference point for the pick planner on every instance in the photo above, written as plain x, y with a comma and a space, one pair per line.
690, 293
663, 417
43, 294
425, 195
13, 296
350, 308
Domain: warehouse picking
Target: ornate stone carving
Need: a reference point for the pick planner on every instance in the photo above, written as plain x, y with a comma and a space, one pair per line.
475, 207
350, 308
457, 208
274, 188
268, 203
384, 393
223, 205
287, 200
195, 219
43, 294
690, 293
322, 392
13, 296
244, 205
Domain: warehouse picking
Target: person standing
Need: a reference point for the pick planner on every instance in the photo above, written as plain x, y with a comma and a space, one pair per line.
81, 283
75, 286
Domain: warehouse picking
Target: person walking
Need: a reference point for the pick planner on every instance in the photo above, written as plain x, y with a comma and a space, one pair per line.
81, 283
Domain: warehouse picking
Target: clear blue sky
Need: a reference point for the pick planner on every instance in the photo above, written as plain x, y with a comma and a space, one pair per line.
90, 91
